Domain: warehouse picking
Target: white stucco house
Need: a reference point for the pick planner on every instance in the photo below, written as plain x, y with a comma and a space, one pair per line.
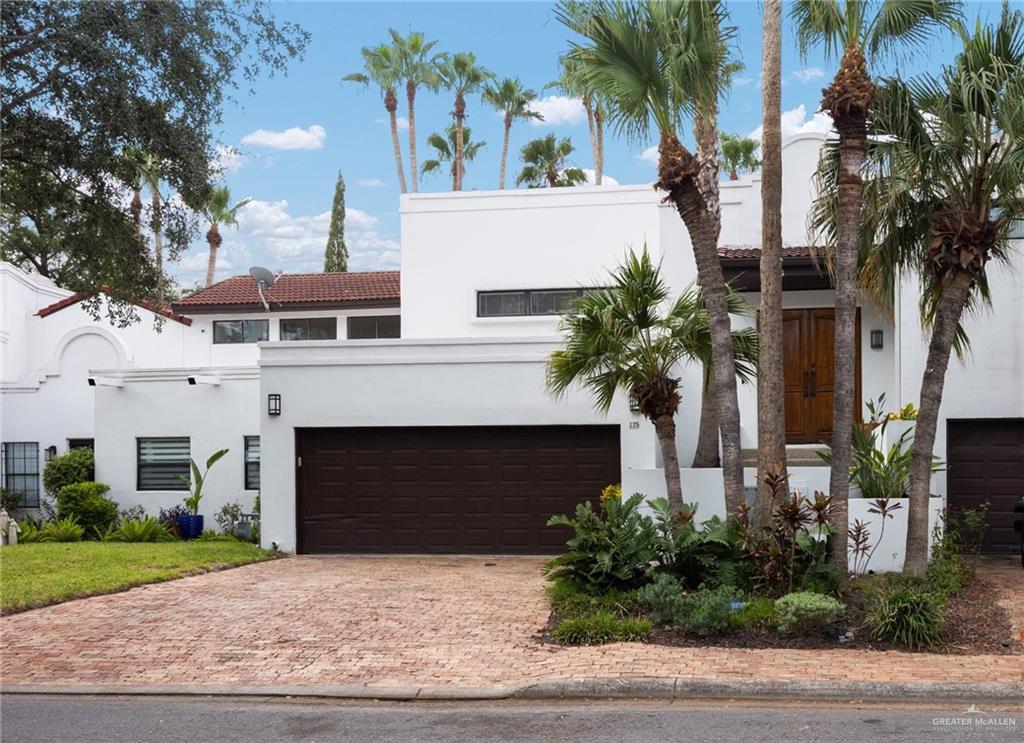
406, 411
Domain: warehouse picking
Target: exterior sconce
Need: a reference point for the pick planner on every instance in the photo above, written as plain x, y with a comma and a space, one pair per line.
876, 340
50, 452
634, 404
273, 404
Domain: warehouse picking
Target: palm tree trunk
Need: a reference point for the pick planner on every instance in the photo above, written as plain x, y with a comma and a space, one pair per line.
707, 431
460, 115
214, 240
410, 93
947, 317
504, 151
136, 210
391, 104
771, 410
591, 126
599, 149
733, 175
158, 247
665, 429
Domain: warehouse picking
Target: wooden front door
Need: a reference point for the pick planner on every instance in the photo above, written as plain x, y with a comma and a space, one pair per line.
808, 352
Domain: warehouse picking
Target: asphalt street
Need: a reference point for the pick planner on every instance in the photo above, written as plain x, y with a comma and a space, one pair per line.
29, 718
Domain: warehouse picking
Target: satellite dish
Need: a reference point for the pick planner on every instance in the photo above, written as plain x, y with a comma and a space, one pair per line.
264, 279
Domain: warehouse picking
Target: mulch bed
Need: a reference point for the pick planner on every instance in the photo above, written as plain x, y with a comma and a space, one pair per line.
975, 625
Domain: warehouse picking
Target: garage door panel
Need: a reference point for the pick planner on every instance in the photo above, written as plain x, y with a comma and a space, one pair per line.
484, 489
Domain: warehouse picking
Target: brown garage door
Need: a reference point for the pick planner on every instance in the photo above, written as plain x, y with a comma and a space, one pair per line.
487, 489
986, 462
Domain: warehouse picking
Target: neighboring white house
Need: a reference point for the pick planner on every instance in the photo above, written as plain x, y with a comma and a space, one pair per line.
445, 439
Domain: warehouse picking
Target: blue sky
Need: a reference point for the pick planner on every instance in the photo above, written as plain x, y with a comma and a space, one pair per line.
295, 132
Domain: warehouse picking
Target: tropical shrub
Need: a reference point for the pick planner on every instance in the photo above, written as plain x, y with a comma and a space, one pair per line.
29, 531
707, 612
198, 480
147, 529
228, 516
755, 612
806, 612
707, 556
61, 530
169, 517
610, 548
968, 526
77, 465
87, 504
603, 627
662, 599
906, 616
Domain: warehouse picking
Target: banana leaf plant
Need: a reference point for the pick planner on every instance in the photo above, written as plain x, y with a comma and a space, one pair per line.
198, 480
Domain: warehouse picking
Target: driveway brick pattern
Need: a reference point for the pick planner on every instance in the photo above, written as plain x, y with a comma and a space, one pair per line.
393, 621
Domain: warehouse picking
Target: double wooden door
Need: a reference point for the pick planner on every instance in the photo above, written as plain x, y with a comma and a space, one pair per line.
808, 337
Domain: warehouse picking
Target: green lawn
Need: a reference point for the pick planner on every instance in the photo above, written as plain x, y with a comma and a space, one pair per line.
37, 574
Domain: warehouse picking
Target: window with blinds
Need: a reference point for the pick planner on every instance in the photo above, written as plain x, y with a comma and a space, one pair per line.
252, 462
21, 471
160, 461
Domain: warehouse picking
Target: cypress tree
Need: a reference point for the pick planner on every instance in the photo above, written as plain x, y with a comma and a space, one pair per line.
336, 255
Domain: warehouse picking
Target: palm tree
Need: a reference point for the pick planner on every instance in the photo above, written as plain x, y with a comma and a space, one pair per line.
629, 337
661, 63
546, 164
381, 67
220, 213
945, 184
444, 150
571, 83
145, 170
461, 74
739, 153
851, 28
417, 67
513, 101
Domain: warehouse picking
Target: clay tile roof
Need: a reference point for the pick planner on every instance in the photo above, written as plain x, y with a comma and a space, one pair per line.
298, 290
82, 296
741, 252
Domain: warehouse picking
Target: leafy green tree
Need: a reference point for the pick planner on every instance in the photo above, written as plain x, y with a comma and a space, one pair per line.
417, 66
630, 338
546, 164
461, 74
513, 102
336, 254
663, 64
221, 213
82, 83
381, 67
444, 150
739, 154
945, 186
851, 28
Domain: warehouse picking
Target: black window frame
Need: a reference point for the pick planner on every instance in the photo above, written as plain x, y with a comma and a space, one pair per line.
397, 319
243, 322
528, 301
307, 321
82, 443
7, 458
187, 470
246, 482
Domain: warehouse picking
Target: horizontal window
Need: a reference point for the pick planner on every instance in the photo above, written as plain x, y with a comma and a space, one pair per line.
252, 462
161, 461
375, 326
21, 471
528, 302
80, 444
309, 329
240, 331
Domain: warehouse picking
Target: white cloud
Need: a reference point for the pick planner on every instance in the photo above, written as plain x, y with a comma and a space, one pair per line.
650, 155
403, 123
370, 183
808, 74
606, 180
795, 121
558, 109
228, 160
739, 82
295, 138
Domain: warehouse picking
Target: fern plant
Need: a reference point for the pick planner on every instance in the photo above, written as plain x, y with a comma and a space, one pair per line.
147, 529
61, 530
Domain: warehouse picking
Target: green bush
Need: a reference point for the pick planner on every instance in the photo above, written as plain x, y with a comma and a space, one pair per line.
596, 629
29, 531
87, 503
708, 611
77, 465
946, 576
663, 599
9, 500
147, 529
61, 530
226, 517
806, 612
757, 612
906, 617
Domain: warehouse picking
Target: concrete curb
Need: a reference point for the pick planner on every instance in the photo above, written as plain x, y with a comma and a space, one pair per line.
573, 689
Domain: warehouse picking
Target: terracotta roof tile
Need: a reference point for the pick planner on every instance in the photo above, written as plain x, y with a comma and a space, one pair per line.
82, 296
740, 252
298, 290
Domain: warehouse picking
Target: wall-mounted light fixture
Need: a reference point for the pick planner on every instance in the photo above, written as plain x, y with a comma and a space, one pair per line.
634, 404
210, 379
876, 340
273, 404
50, 452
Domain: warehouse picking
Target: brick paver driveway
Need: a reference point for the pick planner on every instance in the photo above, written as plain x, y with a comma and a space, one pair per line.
388, 621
